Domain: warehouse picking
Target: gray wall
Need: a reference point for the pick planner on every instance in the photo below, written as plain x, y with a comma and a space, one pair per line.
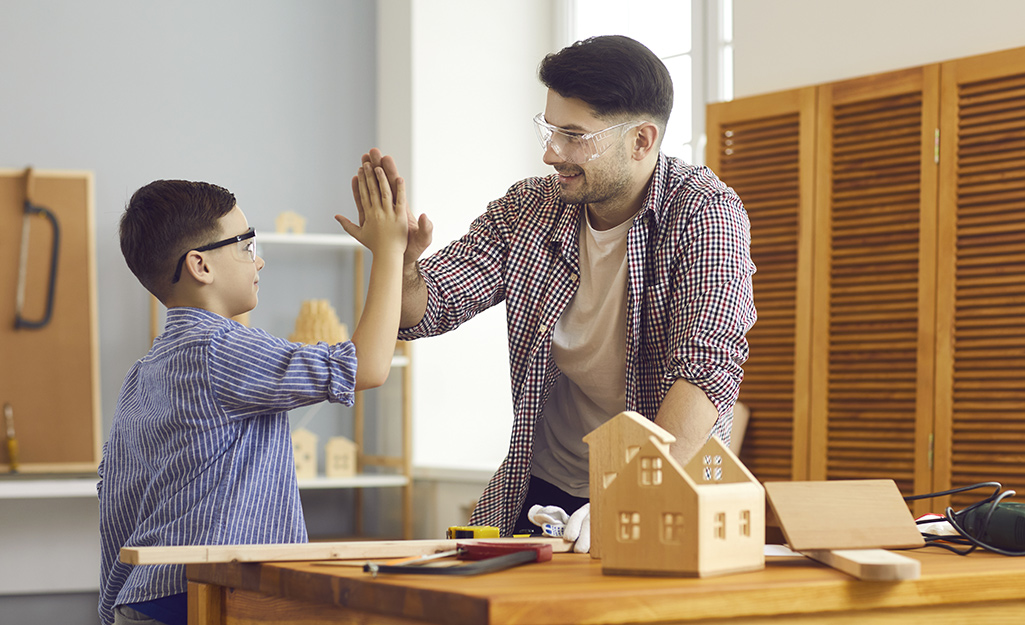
272, 99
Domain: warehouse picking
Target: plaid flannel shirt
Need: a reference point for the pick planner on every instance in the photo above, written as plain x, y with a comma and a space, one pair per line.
689, 300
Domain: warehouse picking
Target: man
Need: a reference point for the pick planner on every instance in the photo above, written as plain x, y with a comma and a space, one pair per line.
626, 277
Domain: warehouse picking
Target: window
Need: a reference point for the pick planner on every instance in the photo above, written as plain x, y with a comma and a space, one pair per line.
672, 528
745, 522
713, 468
651, 471
629, 526
720, 525
694, 38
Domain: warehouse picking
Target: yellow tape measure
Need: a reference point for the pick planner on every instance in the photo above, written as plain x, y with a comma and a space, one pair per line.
472, 531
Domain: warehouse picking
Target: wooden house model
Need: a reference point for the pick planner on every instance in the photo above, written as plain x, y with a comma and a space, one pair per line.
658, 518
304, 451
610, 447
340, 457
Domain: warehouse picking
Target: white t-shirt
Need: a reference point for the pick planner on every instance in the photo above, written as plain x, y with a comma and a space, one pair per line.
589, 347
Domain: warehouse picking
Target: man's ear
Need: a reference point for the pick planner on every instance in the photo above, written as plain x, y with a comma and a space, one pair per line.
197, 267
646, 138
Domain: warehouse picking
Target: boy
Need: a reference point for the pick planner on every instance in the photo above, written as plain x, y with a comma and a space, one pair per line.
199, 451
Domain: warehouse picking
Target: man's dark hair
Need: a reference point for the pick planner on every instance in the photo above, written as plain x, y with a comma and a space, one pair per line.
166, 219
615, 75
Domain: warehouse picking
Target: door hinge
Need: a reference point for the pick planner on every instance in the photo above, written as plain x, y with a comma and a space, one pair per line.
931, 440
936, 146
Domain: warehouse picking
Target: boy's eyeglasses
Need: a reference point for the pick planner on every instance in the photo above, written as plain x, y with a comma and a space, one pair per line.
578, 148
246, 248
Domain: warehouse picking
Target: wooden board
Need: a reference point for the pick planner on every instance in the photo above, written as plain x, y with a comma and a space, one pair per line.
875, 565
296, 552
843, 514
50, 376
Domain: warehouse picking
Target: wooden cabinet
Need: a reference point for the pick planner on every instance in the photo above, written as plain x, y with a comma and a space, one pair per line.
888, 226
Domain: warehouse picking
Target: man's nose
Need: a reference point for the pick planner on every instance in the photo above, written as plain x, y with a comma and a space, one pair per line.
551, 157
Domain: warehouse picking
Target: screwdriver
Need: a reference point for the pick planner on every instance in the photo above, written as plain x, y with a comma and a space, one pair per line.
12, 442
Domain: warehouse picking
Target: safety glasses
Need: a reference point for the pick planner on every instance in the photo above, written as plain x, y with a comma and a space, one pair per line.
246, 248
579, 148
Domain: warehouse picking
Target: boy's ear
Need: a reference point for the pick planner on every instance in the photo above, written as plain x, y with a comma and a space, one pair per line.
197, 267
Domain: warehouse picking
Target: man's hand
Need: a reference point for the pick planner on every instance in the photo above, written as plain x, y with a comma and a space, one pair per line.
382, 220
574, 528
578, 529
419, 231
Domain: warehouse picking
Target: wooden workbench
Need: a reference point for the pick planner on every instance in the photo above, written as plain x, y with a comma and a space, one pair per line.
980, 588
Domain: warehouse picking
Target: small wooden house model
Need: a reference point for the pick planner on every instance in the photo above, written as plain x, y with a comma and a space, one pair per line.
340, 457
658, 518
304, 450
610, 447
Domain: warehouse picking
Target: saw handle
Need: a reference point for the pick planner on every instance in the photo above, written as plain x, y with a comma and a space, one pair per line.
19, 321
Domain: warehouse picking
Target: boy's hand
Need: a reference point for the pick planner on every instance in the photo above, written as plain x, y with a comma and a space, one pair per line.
382, 221
419, 231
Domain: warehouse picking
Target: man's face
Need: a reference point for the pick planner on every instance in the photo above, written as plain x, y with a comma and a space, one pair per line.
604, 179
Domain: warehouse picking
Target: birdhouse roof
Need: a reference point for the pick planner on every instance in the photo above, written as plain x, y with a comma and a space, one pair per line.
627, 425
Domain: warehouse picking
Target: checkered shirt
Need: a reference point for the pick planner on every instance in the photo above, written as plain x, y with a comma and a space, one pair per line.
689, 300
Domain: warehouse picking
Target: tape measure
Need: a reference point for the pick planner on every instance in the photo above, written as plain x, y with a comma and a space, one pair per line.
472, 531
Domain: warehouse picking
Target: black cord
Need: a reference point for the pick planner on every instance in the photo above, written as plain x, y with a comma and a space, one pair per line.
955, 521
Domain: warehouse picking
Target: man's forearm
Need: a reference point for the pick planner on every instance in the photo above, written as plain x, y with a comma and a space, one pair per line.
688, 414
414, 296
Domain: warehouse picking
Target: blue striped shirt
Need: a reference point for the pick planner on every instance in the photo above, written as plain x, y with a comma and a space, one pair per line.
200, 451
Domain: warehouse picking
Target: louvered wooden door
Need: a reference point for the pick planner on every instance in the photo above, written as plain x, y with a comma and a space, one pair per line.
980, 416
871, 375
763, 148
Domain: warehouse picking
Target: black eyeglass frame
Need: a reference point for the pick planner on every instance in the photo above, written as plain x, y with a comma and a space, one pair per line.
248, 234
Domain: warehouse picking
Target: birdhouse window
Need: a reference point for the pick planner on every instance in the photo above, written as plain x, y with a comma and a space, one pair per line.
631, 451
745, 522
672, 528
651, 471
713, 468
629, 526
720, 525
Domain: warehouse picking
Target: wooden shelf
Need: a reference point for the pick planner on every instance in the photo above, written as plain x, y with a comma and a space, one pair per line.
356, 481
31, 487
328, 240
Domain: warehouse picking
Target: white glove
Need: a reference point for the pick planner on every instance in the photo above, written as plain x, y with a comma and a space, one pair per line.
578, 529
551, 519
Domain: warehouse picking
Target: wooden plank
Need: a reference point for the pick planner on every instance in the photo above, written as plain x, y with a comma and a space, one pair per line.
296, 552
843, 514
877, 565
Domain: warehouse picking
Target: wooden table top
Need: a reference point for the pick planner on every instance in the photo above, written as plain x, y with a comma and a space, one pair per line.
572, 588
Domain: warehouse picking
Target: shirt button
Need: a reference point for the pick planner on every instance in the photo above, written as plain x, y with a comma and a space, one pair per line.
543, 328
573, 277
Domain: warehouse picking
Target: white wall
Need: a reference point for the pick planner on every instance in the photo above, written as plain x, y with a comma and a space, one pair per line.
792, 43
458, 85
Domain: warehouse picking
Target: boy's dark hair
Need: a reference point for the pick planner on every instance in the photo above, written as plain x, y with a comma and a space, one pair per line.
166, 219
615, 75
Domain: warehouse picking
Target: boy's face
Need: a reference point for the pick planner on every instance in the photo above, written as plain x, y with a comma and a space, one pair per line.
236, 274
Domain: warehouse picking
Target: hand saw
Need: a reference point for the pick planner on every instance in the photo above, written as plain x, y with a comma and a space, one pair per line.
32, 209
488, 557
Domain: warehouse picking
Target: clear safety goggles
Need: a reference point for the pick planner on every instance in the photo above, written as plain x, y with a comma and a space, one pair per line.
245, 249
579, 148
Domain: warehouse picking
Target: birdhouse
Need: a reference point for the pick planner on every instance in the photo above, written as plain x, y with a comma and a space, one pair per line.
340, 457
317, 322
705, 519
610, 447
290, 221
304, 450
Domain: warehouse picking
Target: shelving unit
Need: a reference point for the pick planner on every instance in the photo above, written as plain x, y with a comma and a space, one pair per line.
401, 464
